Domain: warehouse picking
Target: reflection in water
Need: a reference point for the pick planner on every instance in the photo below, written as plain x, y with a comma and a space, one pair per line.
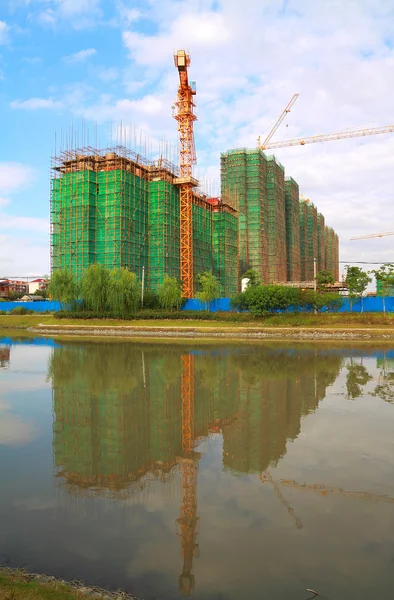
385, 387
5, 353
358, 377
119, 413
125, 414
213, 423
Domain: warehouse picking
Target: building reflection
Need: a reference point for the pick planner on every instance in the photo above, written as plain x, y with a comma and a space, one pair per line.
118, 408
5, 353
125, 413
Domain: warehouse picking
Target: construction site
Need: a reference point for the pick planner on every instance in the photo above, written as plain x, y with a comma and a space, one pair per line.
114, 207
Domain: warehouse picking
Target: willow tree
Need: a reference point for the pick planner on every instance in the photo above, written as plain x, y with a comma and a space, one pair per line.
210, 288
94, 288
63, 287
124, 292
170, 293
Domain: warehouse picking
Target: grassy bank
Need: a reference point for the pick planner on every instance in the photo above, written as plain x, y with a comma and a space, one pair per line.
331, 320
16, 584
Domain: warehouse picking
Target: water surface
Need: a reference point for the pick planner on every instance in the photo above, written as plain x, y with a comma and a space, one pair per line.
226, 472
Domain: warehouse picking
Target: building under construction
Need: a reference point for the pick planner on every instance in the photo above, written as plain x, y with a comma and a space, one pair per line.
114, 208
279, 234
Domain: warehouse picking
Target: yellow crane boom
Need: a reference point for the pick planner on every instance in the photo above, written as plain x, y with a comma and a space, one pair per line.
339, 135
372, 235
278, 122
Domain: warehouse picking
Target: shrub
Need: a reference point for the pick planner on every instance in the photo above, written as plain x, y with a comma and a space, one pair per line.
21, 310
151, 300
263, 300
328, 301
148, 314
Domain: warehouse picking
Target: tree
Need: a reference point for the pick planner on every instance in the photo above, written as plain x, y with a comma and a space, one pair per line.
310, 300
124, 292
170, 293
94, 288
323, 279
385, 275
210, 288
356, 378
63, 287
252, 276
357, 282
265, 299
12, 295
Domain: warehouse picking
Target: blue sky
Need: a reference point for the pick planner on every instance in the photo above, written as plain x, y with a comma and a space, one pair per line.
89, 64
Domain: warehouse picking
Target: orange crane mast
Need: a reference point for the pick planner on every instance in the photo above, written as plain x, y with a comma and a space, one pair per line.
184, 115
189, 462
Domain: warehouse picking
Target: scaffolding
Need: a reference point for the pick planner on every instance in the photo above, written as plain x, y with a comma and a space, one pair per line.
99, 209
243, 175
114, 208
321, 243
292, 211
330, 251
308, 239
164, 232
225, 248
276, 220
202, 237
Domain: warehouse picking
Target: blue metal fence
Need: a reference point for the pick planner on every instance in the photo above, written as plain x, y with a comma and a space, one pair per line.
364, 305
38, 307
222, 304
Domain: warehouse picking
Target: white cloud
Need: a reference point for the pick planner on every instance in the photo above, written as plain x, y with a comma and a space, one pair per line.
14, 177
22, 252
71, 8
37, 103
79, 14
108, 74
80, 56
20, 223
32, 60
130, 110
14, 431
4, 202
4, 33
48, 18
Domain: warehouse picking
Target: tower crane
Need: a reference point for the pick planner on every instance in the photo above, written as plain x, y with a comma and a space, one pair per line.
189, 462
372, 235
278, 122
339, 135
184, 115
317, 488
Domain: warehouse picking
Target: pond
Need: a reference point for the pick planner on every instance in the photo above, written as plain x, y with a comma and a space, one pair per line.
218, 471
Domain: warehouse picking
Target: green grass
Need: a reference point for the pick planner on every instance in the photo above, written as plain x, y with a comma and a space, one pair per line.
16, 586
331, 321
